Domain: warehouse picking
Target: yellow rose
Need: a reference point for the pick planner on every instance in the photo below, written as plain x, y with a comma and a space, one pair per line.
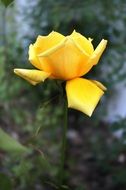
67, 58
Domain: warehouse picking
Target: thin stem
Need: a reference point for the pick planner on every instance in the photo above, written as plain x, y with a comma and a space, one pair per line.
63, 148
5, 36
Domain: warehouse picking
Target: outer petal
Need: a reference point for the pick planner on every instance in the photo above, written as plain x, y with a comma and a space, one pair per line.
32, 76
99, 84
33, 57
42, 44
98, 52
66, 60
83, 42
83, 95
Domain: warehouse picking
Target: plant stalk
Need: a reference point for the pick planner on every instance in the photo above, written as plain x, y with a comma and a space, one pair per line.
63, 147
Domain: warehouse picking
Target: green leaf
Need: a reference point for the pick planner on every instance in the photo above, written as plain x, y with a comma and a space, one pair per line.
9, 144
7, 2
5, 182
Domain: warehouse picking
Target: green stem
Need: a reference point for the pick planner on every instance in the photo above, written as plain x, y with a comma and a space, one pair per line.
63, 148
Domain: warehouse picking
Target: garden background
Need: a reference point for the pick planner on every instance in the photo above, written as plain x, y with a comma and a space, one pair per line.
96, 146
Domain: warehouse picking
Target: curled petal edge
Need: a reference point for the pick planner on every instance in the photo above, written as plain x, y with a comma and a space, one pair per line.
31, 75
99, 84
98, 52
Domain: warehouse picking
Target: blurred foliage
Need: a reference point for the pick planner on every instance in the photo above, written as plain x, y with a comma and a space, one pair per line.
5, 182
96, 154
7, 143
7, 2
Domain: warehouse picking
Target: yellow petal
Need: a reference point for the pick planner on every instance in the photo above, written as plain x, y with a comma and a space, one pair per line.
98, 52
44, 43
33, 57
83, 42
99, 84
83, 95
65, 61
32, 76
